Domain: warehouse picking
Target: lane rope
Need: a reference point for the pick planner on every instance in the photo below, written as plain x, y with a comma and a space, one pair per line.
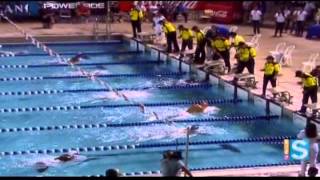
264, 140
70, 108
234, 119
56, 91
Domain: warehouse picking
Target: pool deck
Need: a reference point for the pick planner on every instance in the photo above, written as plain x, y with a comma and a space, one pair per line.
286, 81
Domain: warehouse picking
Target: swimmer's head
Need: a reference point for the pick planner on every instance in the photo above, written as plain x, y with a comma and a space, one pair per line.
72, 153
41, 167
194, 127
204, 104
172, 155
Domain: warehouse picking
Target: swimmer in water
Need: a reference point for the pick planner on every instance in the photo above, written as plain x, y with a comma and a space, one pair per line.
198, 108
42, 166
76, 58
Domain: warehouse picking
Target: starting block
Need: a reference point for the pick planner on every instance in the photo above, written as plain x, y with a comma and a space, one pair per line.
216, 67
187, 56
146, 37
281, 96
248, 79
314, 108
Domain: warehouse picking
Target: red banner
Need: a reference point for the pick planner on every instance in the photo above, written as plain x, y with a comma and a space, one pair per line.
223, 12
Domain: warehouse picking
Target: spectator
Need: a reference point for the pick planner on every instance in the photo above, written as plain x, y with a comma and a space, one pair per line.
317, 17
163, 10
172, 164
289, 17
246, 11
115, 12
153, 10
136, 17
171, 35
310, 89
256, 19
112, 173
310, 9
180, 9
157, 26
310, 132
47, 17
83, 11
301, 17
187, 38
262, 6
280, 20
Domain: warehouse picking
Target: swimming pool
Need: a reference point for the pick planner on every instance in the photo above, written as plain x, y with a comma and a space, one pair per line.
61, 110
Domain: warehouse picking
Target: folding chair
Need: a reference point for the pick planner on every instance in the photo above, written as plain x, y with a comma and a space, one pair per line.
279, 51
286, 59
311, 63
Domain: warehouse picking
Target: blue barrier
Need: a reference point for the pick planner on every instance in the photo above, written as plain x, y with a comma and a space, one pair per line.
235, 119
45, 92
68, 108
266, 140
156, 74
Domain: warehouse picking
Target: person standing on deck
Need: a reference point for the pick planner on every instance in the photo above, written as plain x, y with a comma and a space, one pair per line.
136, 17
200, 53
171, 35
271, 70
310, 89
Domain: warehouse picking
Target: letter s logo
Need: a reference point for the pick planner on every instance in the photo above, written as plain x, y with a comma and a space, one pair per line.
299, 150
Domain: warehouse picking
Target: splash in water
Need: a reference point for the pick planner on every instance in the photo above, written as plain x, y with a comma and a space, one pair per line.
128, 94
171, 132
177, 113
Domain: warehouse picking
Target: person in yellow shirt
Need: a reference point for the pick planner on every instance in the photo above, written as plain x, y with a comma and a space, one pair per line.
245, 57
136, 17
221, 47
236, 39
187, 38
271, 70
200, 53
171, 35
310, 89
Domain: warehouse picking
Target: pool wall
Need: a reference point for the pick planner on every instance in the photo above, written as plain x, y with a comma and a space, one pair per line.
243, 93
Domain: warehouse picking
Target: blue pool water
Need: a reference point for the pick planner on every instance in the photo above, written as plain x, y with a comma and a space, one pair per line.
125, 160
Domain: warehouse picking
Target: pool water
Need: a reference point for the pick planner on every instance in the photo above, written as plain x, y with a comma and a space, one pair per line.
125, 160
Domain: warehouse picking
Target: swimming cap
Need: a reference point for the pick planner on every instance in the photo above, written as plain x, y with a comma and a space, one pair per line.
194, 127
41, 166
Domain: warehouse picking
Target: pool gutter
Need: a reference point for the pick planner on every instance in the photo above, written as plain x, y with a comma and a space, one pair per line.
245, 94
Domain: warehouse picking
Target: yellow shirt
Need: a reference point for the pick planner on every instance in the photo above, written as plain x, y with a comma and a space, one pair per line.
310, 81
246, 53
271, 68
135, 15
238, 39
186, 34
220, 44
199, 36
168, 27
